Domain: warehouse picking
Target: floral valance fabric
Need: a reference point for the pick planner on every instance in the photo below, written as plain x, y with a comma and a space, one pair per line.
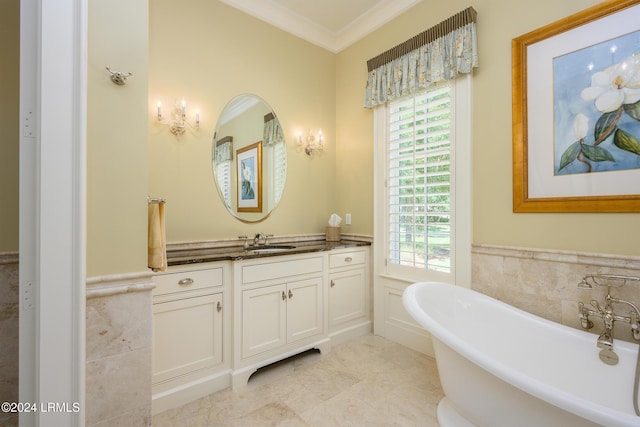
272, 132
224, 150
438, 54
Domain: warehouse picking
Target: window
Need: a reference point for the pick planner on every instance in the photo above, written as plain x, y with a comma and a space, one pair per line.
419, 181
280, 169
223, 170
422, 209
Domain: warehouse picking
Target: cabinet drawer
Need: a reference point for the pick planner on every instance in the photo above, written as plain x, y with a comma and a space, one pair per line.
187, 281
345, 259
280, 269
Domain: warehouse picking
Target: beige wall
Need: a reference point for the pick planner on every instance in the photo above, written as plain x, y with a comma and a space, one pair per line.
209, 53
117, 138
499, 21
9, 117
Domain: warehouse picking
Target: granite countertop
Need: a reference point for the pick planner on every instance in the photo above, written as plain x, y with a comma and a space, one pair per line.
237, 253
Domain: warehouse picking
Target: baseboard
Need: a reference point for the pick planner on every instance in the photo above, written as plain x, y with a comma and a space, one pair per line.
420, 342
189, 392
343, 335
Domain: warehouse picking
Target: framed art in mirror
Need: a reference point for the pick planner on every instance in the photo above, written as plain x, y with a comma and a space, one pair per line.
249, 177
576, 113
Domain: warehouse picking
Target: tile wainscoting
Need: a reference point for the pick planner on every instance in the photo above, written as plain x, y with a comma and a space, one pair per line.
545, 282
9, 324
118, 375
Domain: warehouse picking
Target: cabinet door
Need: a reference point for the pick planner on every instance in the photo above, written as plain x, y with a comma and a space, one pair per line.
347, 297
304, 309
264, 314
187, 336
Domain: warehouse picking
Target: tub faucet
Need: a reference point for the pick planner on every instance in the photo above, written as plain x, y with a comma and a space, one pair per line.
607, 314
605, 340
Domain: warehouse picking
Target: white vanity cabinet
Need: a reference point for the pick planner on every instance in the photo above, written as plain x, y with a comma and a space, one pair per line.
279, 310
215, 323
189, 359
349, 293
276, 315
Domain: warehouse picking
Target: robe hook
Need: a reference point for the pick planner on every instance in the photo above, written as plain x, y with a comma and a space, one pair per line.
118, 77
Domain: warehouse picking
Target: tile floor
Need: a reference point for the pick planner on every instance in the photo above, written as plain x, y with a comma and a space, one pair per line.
369, 381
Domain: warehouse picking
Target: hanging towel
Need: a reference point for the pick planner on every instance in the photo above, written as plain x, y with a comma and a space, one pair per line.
157, 255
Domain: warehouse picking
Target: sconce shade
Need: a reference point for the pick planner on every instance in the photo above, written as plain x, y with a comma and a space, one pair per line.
311, 143
178, 122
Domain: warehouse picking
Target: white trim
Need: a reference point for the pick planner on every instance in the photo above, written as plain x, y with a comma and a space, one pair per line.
61, 214
463, 179
53, 345
187, 393
384, 282
27, 267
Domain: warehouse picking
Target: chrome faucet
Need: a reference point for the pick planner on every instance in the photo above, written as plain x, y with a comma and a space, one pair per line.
607, 314
605, 340
258, 237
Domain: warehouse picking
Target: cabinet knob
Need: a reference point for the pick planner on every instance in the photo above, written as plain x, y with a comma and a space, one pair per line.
348, 259
333, 283
186, 282
219, 307
290, 294
284, 296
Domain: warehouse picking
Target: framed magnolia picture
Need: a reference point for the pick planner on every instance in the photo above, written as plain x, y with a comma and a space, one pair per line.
249, 177
576, 113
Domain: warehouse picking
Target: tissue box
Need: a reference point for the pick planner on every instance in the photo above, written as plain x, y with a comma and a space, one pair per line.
333, 234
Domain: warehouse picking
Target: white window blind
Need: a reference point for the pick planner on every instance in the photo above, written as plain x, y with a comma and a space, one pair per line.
280, 168
223, 170
418, 182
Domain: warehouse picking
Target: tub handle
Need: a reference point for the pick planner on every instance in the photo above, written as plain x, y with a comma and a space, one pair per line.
583, 314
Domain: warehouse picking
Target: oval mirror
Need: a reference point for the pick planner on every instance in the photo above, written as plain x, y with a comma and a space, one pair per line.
249, 157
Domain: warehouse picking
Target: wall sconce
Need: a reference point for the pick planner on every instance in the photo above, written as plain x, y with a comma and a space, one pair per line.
178, 122
310, 143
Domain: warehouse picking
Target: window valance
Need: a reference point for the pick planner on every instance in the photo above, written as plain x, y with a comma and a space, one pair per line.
272, 132
439, 53
224, 150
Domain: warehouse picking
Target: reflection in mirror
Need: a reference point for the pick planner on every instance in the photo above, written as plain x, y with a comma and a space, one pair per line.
249, 157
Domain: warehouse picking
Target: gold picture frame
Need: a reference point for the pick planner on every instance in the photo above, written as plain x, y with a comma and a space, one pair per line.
527, 111
249, 178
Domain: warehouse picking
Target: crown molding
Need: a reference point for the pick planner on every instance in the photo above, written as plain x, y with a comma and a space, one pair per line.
371, 21
303, 27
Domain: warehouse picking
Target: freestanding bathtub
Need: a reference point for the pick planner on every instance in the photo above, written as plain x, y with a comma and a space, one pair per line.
501, 366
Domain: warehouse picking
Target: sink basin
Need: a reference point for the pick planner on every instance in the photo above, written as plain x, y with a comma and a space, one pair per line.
270, 249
